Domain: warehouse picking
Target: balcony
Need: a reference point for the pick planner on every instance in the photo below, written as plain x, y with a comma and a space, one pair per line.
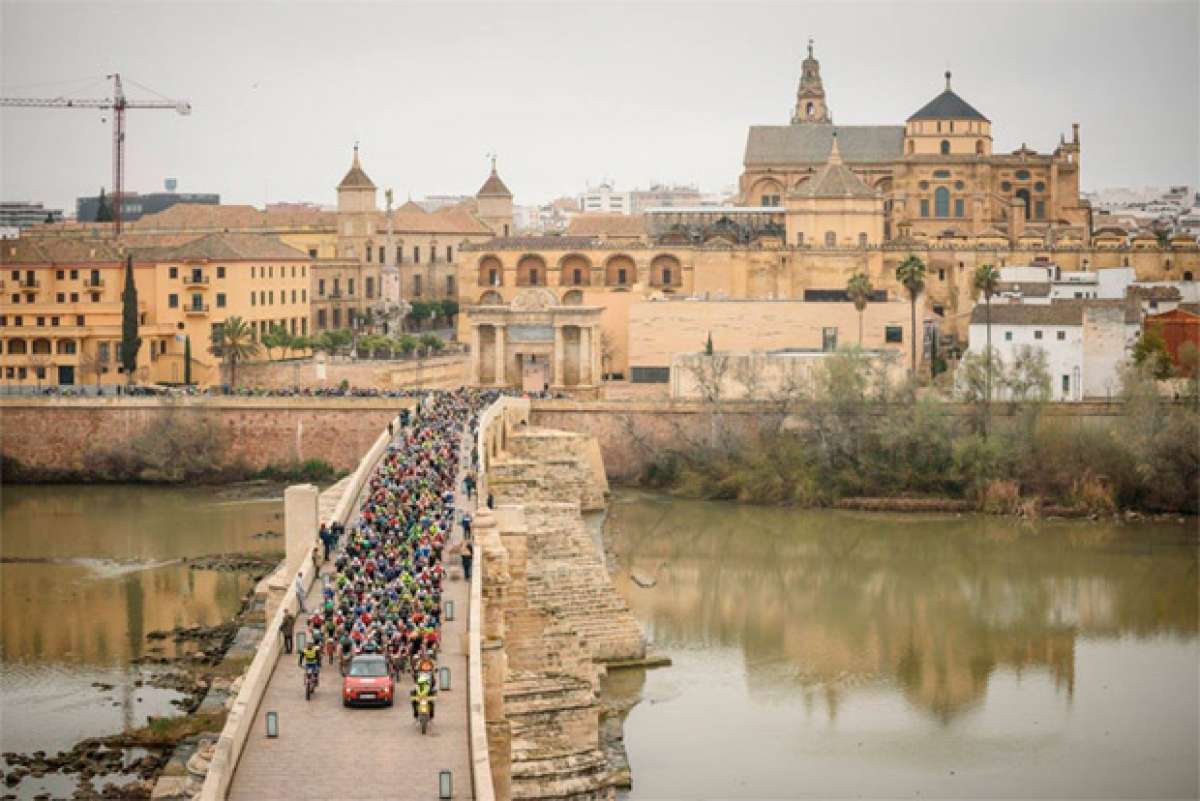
26, 283
196, 279
93, 283
196, 309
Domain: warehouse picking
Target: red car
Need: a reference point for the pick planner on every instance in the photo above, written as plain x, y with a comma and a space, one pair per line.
368, 682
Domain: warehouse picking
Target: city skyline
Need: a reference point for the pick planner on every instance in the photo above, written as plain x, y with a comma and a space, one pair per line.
279, 102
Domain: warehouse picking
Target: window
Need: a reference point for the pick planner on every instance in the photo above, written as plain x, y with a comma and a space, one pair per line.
433, 254
320, 287
74, 275
320, 318
271, 298
506, 229
577, 276
220, 272
95, 297
74, 297
61, 297
337, 287
978, 147
270, 271
959, 211
1037, 334
197, 301
862, 240
925, 207
337, 318
293, 296
830, 239
533, 277
829, 339
369, 250
417, 286
16, 298
941, 202
945, 147
3, 320
54, 322
800, 239
370, 287
1008, 336
1062, 335
79, 319
621, 277
312, 253
303, 326
58, 275
449, 253
253, 271
416, 254
41, 321
399, 254
172, 301
252, 303
450, 286
102, 352
173, 272
941, 273
1066, 385
303, 295
220, 300
666, 276
18, 321
893, 333
1039, 209
350, 286
382, 254
1039, 187
1022, 175
941, 173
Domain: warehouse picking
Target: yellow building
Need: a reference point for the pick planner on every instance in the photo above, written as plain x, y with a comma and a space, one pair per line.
60, 308
935, 173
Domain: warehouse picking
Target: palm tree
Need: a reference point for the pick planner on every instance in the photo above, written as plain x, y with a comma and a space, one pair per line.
911, 275
236, 342
859, 289
986, 279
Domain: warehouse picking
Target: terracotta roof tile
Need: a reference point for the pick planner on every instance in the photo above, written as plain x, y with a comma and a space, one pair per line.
611, 225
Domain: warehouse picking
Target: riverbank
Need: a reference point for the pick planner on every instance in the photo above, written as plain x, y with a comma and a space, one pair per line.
201, 673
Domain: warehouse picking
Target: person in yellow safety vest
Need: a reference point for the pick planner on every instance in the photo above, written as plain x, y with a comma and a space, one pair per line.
422, 692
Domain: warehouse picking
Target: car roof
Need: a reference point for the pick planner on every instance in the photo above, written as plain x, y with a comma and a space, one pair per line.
368, 658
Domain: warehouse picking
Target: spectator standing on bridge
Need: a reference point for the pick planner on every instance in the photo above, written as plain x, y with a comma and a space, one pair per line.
466, 554
326, 539
299, 585
285, 628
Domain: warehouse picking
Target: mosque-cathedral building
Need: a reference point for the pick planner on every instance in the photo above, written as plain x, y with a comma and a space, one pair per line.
818, 202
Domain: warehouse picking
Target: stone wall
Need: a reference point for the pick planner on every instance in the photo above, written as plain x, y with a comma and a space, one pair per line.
552, 618
442, 372
57, 434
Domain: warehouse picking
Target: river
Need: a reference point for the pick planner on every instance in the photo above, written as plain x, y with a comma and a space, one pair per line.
835, 654
87, 573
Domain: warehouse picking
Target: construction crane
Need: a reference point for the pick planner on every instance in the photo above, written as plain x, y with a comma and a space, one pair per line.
118, 103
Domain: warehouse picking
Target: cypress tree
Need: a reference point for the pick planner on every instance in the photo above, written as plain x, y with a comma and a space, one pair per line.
187, 361
130, 341
103, 209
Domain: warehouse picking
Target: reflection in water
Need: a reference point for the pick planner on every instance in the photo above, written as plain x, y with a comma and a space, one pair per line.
88, 572
968, 620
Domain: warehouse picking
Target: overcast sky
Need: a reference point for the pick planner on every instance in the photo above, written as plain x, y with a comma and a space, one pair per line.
567, 93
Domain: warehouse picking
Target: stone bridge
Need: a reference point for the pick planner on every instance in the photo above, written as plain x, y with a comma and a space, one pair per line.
538, 625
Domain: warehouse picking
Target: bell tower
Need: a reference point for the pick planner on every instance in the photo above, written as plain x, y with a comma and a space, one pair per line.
810, 95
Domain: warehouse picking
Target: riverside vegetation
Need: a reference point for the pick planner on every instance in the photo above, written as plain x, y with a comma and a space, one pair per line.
847, 430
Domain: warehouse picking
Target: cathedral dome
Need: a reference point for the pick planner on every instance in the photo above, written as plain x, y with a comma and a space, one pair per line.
948, 106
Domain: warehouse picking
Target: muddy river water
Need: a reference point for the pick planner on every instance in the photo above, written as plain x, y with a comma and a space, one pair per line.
841, 655
86, 572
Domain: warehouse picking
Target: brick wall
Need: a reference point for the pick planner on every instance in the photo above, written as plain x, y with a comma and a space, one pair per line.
444, 372
57, 434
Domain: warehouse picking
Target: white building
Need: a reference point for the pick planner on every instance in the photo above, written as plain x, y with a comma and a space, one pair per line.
605, 199
1085, 342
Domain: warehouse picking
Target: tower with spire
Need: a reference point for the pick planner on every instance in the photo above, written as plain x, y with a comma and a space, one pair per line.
810, 95
495, 203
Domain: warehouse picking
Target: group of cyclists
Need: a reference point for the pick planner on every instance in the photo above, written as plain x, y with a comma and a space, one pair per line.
383, 595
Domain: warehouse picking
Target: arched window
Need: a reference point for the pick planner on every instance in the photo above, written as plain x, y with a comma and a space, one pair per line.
575, 270
41, 346
809, 109
16, 347
978, 147
945, 147
619, 271
65, 346
491, 298
665, 271
830, 239
531, 271
1023, 194
941, 202
491, 272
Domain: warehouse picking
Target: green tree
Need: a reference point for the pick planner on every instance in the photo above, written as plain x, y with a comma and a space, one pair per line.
1151, 353
708, 345
408, 344
131, 343
859, 290
187, 360
103, 208
277, 337
449, 309
986, 279
432, 343
235, 342
911, 275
